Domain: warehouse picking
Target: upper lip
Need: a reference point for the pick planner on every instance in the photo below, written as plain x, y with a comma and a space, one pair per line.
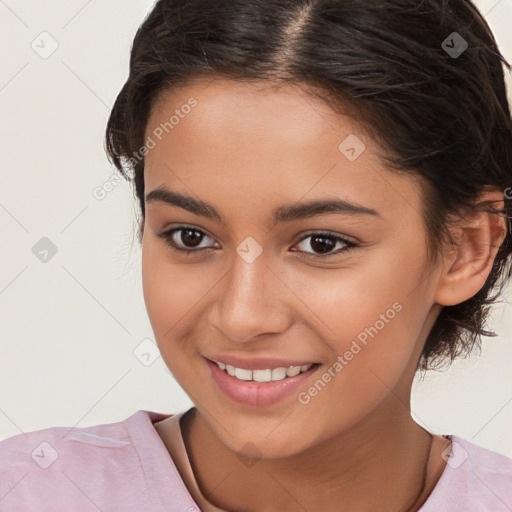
258, 363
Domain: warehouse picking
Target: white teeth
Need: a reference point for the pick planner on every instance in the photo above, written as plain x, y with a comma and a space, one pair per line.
242, 374
278, 373
292, 371
262, 375
266, 375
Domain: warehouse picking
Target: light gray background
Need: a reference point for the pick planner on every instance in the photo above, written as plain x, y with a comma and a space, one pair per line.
70, 326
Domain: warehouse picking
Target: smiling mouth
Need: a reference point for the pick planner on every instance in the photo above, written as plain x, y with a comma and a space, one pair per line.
265, 375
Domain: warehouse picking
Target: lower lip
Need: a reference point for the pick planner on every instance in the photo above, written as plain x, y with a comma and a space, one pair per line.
257, 393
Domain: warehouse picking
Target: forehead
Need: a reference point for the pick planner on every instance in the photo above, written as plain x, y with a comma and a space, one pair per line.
266, 141
251, 108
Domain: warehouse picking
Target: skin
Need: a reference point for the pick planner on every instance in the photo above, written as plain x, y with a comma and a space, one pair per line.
248, 149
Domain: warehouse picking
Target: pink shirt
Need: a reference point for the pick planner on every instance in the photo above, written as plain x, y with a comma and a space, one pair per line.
125, 466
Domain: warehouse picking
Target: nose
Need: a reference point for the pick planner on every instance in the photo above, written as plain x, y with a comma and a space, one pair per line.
252, 300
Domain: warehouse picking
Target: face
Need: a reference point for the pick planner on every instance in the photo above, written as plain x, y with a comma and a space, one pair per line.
270, 283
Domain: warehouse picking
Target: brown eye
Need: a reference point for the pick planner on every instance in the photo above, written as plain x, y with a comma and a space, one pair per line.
323, 243
185, 239
190, 237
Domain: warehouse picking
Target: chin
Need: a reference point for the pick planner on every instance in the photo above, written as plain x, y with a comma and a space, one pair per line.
262, 448
265, 443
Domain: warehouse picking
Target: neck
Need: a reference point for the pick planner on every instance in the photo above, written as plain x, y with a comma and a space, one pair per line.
383, 459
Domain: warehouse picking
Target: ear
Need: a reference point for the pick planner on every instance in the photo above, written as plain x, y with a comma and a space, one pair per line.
467, 265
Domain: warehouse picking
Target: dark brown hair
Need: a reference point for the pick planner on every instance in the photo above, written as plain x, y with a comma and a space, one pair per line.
399, 68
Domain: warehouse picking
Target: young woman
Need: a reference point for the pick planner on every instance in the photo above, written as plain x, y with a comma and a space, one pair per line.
325, 194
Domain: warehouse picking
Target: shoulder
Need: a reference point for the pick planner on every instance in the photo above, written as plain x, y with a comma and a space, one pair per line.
475, 478
46, 446
81, 467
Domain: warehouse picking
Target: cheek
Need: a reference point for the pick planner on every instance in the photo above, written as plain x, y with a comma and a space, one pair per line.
170, 293
367, 295
170, 290
370, 356
371, 315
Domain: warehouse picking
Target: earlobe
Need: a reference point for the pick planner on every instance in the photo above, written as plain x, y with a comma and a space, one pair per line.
468, 264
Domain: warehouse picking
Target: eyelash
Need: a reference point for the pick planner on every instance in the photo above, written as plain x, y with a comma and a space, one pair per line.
167, 236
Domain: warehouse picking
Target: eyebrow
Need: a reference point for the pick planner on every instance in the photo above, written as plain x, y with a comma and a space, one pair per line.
285, 213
